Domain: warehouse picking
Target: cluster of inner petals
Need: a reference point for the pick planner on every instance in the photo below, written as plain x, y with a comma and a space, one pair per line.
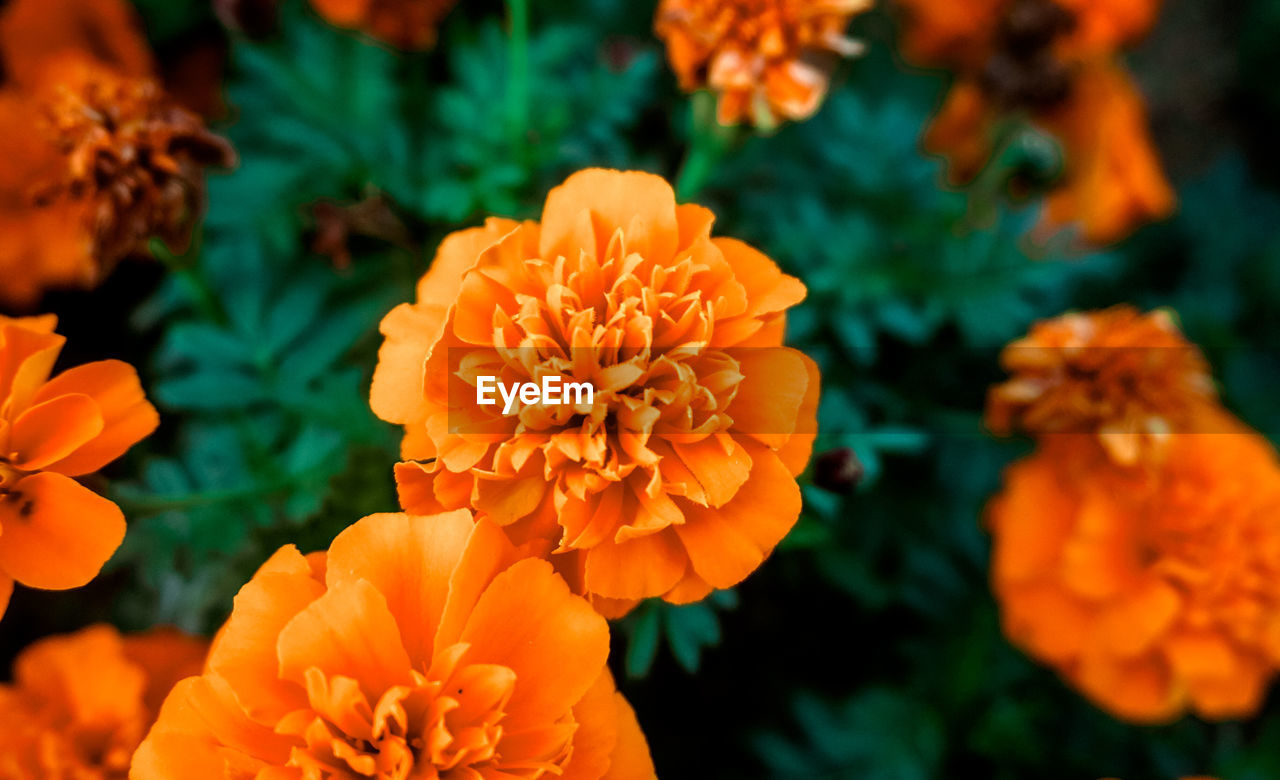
446, 723
131, 154
637, 330
765, 57
1130, 378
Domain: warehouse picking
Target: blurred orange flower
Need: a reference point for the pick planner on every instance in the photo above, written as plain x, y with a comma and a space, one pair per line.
680, 476
1137, 551
417, 647
80, 704
1130, 378
768, 59
1053, 62
37, 33
54, 532
97, 159
407, 24
1155, 588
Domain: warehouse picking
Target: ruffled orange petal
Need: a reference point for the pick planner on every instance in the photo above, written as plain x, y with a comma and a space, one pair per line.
26, 359
528, 621
245, 651
410, 331
51, 430
799, 447
630, 759
202, 733
347, 632
590, 206
409, 560
774, 387
127, 415
637, 568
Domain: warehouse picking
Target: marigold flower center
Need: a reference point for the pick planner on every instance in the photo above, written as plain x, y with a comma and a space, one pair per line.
446, 725
638, 331
129, 152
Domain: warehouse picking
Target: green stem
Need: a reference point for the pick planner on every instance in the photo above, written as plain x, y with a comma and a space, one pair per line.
195, 284
708, 142
518, 71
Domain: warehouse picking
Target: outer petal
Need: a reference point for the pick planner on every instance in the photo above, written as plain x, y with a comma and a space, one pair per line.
52, 429
528, 621
349, 632
244, 653
640, 204
597, 732
637, 568
57, 533
411, 330
26, 358
727, 544
409, 560
127, 415
769, 290
774, 388
795, 453
630, 759
458, 252
201, 732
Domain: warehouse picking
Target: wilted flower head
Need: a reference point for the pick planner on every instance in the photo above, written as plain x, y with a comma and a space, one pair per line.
767, 59
54, 532
1130, 378
80, 704
1155, 588
1054, 62
678, 477
407, 24
417, 647
98, 159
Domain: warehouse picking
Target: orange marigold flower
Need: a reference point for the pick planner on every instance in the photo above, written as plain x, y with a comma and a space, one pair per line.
679, 476
54, 532
80, 704
1052, 61
97, 158
767, 59
406, 24
108, 159
1130, 378
416, 647
1154, 589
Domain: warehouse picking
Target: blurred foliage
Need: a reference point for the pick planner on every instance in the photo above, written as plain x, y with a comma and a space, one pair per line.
869, 645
